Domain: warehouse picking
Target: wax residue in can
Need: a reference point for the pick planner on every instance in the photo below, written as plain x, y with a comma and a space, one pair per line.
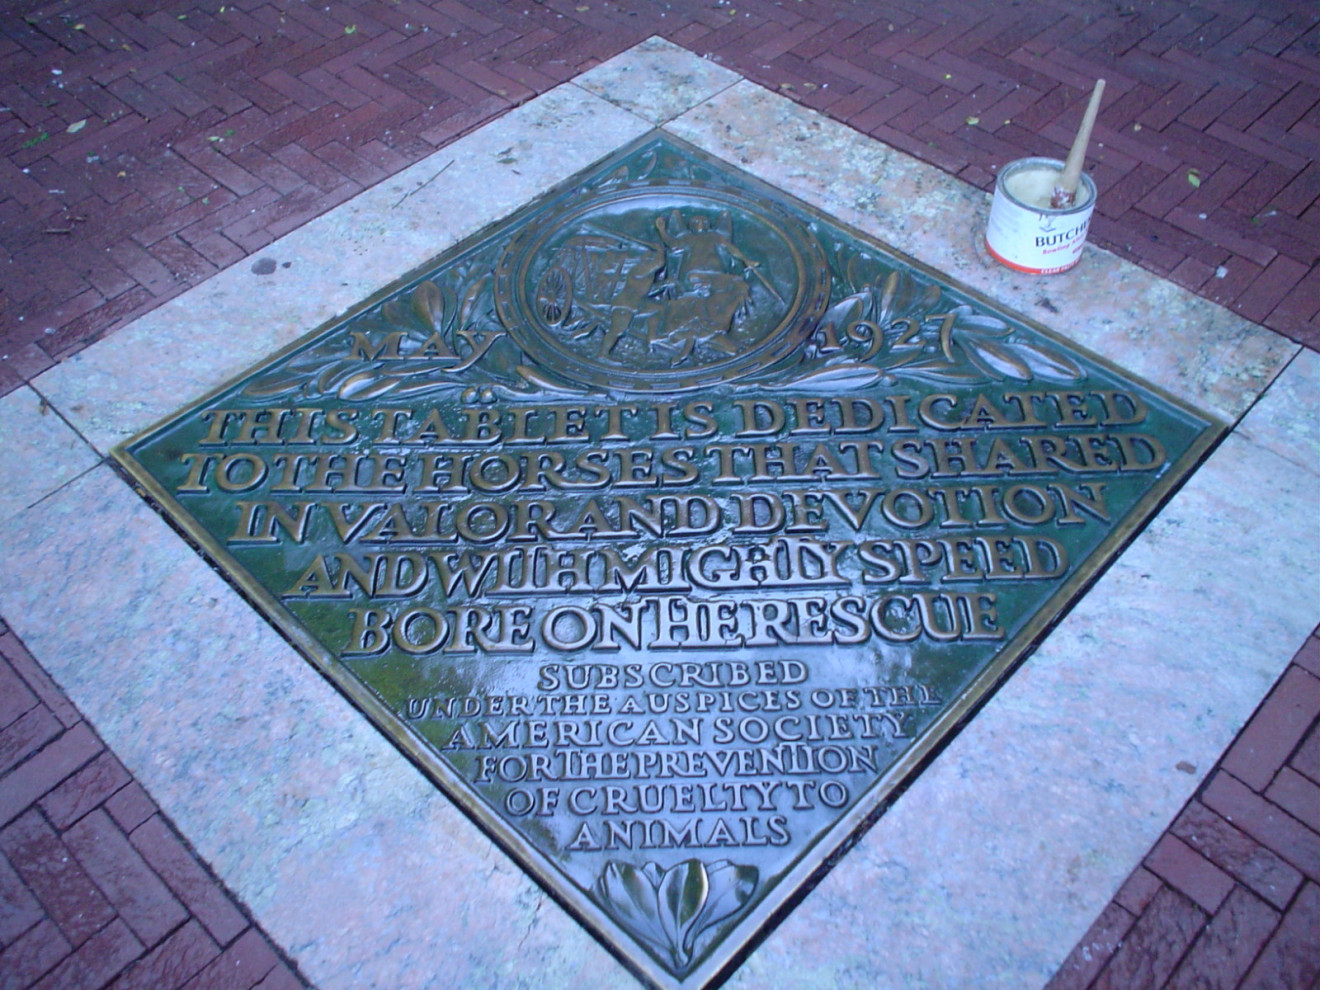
1033, 186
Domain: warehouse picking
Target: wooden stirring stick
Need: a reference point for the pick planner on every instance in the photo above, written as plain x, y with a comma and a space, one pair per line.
1066, 191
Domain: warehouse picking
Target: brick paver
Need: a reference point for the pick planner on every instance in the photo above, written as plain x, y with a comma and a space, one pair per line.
97, 889
1228, 898
145, 146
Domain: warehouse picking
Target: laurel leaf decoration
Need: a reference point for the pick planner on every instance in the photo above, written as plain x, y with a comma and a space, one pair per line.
891, 304
996, 359
539, 381
841, 376
671, 909
368, 385
833, 326
681, 895
428, 304
1046, 362
471, 298
423, 342
730, 887
897, 327
630, 893
334, 376
275, 385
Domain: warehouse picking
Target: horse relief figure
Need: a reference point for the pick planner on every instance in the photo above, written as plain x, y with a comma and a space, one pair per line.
687, 289
705, 297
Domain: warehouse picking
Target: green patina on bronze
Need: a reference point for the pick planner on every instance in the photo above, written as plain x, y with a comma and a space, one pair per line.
670, 526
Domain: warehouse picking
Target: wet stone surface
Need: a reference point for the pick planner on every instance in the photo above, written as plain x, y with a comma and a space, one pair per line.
670, 526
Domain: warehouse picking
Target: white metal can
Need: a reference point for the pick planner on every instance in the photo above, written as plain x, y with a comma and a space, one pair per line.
1024, 232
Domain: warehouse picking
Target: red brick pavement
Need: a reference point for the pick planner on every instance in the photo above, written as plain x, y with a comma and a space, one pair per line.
144, 146
1229, 898
96, 887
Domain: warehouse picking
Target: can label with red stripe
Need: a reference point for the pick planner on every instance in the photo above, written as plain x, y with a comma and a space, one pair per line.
1024, 232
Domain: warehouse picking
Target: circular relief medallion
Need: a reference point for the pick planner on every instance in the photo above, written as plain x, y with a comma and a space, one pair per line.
661, 285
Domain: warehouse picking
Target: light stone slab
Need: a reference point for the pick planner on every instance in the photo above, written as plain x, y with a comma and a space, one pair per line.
38, 451
1286, 419
984, 873
198, 341
657, 80
1196, 350
998, 858
351, 860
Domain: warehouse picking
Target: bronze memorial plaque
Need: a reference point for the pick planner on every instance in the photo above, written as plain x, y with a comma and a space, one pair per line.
670, 526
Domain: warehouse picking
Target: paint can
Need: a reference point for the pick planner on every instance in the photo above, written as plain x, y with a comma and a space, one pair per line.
1024, 232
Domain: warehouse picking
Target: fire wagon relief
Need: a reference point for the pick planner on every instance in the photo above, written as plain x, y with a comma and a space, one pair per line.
666, 283
688, 289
